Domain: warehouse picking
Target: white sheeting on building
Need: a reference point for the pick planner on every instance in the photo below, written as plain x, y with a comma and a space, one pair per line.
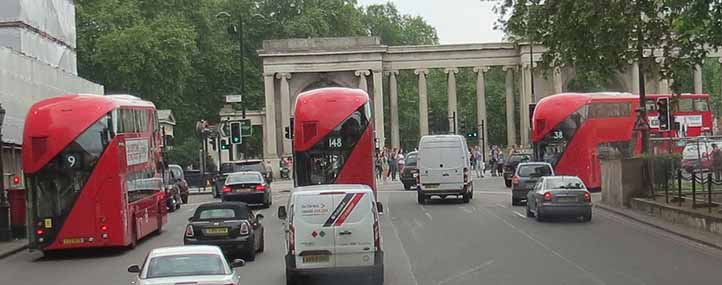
24, 81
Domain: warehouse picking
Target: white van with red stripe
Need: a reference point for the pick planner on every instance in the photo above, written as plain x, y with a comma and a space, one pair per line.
332, 229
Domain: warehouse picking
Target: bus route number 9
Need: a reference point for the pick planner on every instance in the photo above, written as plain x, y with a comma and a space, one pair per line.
70, 160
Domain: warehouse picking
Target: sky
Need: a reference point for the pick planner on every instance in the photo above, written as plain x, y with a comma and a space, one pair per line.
456, 21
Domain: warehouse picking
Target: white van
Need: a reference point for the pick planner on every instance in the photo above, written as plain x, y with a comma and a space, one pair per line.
697, 154
444, 168
332, 228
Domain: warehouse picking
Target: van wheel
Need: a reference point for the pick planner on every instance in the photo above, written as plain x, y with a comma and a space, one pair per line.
291, 278
421, 198
515, 202
507, 183
465, 198
377, 277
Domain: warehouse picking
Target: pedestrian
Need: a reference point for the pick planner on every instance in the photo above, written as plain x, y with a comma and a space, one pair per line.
392, 164
500, 164
401, 162
385, 164
494, 159
377, 164
716, 162
479, 162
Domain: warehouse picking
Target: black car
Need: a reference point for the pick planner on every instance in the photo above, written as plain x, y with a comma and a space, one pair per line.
409, 172
249, 187
511, 163
246, 165
232, 226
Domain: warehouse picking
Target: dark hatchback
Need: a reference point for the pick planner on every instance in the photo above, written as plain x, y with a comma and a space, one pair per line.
231, 226
409, 172
511, 162
246, 165
249, 187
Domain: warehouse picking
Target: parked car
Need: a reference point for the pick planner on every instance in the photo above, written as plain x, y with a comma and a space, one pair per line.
246, 165
249, 186
231, 226
177, 178
186, 265
511, 162
444, 168
409, 172
525, 178
332, 228
557, 196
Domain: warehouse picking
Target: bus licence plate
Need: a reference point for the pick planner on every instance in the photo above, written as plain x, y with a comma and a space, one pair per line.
73, 240
316, 258
217, 231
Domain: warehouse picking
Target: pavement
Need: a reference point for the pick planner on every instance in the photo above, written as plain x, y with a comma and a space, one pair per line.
487, 241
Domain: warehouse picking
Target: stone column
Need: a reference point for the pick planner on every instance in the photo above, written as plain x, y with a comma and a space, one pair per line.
379, 107
362, 79
451, 92
285, 109
270, 150
524, 100
394, 108
635, 78
558, 80
481, 108
423, 103
510, 126
697, 79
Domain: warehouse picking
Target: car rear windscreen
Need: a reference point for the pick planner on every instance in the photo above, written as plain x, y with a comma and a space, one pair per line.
220, 212
448, 156
562, 183
534, 170
243, 178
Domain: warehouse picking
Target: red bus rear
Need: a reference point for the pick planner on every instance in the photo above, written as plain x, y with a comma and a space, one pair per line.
333, 138
569, 129
92, 165
691, 111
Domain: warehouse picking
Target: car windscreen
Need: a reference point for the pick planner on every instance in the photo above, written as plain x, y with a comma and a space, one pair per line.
534, 170
245, 178
185, 265
220, 212
564, 183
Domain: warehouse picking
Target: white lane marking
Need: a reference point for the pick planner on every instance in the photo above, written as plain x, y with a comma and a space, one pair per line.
469, 271
467, 210
428, 215
502, 205
406, 255
520, 214
548, 248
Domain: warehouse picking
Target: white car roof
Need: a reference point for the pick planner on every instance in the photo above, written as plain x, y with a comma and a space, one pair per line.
189, 249
316, 189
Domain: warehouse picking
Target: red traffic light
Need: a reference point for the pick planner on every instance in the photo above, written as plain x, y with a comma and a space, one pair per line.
16, 179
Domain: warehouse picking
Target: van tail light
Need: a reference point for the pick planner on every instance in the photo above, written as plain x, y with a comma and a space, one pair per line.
587, 197
245, 228
515, 180
466, 175
189, 231
547, 197
292, 239
226, 189
260, 187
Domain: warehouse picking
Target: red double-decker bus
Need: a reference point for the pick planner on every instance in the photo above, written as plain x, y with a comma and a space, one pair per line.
690, 111
92, 166
333, 138
570, 129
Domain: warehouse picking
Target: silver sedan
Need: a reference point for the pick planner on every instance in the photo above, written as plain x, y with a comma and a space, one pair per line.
559, 196
197, 264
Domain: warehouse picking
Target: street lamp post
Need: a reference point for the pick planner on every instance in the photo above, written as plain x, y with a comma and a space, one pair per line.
242, 57
5, 232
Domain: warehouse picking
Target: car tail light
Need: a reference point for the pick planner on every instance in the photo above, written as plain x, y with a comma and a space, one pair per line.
260, 187
548, 197
245, 229
587, 197
515, 180
226, 189
189, 231
292, 239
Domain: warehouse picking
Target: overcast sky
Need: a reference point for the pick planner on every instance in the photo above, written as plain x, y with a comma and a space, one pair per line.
456, 21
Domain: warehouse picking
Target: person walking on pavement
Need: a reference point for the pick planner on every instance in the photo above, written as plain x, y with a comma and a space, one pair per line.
385, 164
377, 164
717, 162
392, 164
478, 162
494, 159
400, 162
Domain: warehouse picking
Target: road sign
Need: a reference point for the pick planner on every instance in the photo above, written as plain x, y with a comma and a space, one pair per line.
246, 128
234, 98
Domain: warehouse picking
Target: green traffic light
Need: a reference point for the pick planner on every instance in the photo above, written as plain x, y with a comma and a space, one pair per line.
235, 140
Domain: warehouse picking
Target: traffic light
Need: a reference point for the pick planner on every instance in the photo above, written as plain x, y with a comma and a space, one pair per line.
664, 115
235, 132
473, 134
224, 144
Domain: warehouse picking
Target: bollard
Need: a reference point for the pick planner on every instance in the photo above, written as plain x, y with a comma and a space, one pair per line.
694, 189
709, 192
666, 185
679, 186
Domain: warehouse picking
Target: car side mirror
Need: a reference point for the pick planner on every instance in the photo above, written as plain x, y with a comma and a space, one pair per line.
259, 217
190, 219
238, 263
282, 214
134, 268
380, 207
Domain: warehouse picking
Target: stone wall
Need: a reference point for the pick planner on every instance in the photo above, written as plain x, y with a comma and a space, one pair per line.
621, 181
706, 222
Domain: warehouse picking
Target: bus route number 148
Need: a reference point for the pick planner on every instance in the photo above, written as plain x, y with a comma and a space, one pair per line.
335, 142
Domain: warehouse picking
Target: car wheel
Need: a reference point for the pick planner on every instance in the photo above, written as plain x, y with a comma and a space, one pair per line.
471, 193
514, 202
507, 183
588, 217
251, 252
267, 203
420, 198
262, 246
529, 213
172, 207
377, 276
185, 199
539, 216
178, 204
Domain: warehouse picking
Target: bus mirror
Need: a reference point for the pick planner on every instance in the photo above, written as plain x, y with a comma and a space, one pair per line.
282, 212
380, 207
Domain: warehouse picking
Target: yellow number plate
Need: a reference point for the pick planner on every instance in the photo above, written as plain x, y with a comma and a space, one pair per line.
217, 231
73, 240
316, 258
431, 186
48, 223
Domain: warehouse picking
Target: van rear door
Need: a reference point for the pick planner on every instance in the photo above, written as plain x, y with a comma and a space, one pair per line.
314, 241
353, 222
441, 166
